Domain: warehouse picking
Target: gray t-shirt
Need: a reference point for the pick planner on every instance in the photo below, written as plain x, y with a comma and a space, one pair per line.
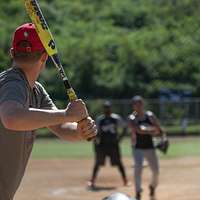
16, 146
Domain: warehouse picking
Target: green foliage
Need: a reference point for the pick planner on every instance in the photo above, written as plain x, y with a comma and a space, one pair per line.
114, 48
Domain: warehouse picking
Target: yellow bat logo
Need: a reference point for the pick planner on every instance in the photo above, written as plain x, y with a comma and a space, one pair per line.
42, 28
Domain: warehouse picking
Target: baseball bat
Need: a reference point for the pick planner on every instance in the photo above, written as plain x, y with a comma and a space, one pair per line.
46, 37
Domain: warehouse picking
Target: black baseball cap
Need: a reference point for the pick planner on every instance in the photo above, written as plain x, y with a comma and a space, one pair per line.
107, 104
136, 99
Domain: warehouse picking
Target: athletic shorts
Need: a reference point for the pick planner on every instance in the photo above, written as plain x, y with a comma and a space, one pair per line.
112, 151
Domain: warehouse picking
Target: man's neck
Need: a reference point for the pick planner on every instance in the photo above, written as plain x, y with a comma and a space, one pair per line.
31, 76
31, 73
141, 114
107, 114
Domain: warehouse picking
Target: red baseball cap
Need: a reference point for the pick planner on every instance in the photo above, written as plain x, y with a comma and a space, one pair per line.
27, 32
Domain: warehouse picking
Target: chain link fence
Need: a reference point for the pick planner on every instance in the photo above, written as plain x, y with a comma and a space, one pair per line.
177, 117
169, 112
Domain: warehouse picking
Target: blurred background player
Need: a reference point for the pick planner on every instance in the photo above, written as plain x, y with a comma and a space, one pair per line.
144, 126
107, 142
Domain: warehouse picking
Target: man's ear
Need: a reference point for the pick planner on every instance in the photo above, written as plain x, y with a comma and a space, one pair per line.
11, 52
44, 57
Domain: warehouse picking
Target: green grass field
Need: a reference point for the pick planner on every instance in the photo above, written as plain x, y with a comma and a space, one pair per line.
176, 129
192, 129
53, 148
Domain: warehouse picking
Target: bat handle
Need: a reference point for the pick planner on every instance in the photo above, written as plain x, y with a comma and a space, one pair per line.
72, 97
70, 91
71, 94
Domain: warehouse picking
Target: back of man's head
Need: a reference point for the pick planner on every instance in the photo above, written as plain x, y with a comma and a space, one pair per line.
26, 44
117, 196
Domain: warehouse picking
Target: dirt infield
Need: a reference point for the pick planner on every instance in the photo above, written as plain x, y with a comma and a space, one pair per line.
66, 179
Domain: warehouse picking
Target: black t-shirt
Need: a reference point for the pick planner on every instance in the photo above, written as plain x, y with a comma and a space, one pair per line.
108, 128
143, 141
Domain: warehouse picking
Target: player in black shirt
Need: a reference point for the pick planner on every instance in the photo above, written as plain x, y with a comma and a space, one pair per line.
107, 143
144, 126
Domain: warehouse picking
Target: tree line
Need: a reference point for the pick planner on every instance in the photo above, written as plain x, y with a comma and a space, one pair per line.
115, 48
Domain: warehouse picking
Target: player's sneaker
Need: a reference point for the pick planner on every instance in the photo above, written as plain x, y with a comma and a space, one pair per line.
138, 195
152, 192
91, 184
127, 183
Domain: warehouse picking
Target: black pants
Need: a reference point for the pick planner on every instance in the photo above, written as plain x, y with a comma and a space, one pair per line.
111, 151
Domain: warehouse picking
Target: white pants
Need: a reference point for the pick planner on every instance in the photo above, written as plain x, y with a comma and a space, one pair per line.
152, 159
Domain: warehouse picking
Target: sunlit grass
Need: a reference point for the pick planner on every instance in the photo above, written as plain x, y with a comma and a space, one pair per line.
53, 148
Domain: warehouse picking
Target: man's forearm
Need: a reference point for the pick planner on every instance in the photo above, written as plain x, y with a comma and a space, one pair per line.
14, 116
66, 131
30, 119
